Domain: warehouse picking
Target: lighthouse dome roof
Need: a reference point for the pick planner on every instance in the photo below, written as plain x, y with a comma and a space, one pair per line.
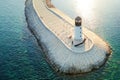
78, 18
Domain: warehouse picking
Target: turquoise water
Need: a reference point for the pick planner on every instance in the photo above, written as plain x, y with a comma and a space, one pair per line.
20, 56
22, 59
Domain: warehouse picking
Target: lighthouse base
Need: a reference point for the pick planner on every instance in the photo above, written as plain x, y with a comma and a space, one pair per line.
77, 42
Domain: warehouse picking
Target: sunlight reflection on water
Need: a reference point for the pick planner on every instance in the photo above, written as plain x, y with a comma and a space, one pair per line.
83, 7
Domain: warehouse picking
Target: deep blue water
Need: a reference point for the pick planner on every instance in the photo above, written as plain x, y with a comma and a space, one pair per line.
21, 58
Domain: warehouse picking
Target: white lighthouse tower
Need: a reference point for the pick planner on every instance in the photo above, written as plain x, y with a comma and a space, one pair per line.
78, 37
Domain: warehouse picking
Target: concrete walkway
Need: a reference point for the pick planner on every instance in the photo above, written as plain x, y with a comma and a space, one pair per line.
59, 55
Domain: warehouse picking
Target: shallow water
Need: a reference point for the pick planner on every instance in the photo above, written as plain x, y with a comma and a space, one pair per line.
22, 59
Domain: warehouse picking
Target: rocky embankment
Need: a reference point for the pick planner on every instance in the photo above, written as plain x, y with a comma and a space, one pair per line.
60, 57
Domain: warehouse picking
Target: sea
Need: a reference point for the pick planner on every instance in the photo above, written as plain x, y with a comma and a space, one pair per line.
21, 58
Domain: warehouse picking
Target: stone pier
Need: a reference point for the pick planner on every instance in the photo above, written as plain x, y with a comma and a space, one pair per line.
54, 30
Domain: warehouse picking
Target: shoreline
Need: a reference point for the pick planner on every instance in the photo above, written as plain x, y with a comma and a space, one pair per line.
36, 24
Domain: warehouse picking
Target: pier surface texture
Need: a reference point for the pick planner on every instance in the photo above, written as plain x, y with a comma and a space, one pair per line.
53, 30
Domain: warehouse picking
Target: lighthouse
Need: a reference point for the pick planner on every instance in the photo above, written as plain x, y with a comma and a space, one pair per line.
78, 37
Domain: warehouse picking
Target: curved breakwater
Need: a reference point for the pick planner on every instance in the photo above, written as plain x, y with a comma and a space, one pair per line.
61, 58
